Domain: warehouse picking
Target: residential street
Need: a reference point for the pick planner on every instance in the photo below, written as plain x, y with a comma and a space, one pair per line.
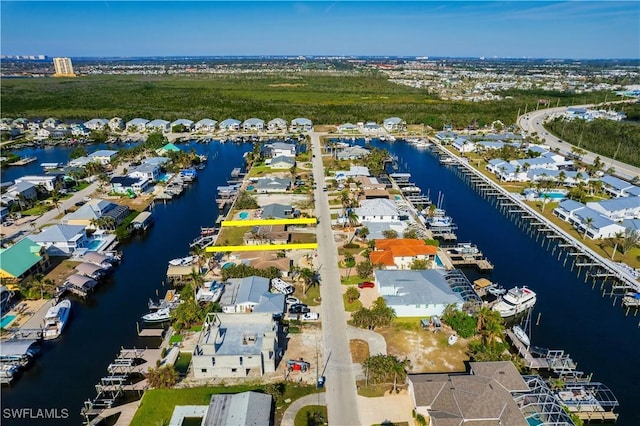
341, 395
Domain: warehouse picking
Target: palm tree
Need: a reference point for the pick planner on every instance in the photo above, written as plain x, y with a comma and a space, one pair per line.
42, 283
617, 239
545, 200
363, 233
587, 224
399, 370
307, 276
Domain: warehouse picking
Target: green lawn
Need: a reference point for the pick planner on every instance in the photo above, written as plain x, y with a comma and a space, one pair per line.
311, 415
37, 210
260, 171
232, 235
313, 294
353, 306
183, 362
353, 279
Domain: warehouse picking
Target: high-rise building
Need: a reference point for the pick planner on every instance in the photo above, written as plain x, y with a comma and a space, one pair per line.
63, 67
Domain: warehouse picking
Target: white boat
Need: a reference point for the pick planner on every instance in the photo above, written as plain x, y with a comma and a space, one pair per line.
517, 299
210, 291
452, 339
182, 261
8, 372
55, 319
521, 335
161, 315
439, 221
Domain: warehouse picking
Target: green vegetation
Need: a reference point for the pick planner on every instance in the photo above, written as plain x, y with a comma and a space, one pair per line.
386, 369
380, 315
612, 139
319, 97
162, 377
463, 323
311, 415
350, 298
183, 362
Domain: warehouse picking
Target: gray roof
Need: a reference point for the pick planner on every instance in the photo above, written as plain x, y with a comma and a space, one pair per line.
633, 224
614, 182
157, 161
301, 121
228, 336
101, 121
276, 211
87, 268
183, 121
570, 205
137, 121
503, 372
206, 122
229, 122
424, 287
278, 121
270, 302
273, 183
58, 233
283, 159
242, 409
94, 209
157, 123
598, 221
377, 207
283, 146
144, 168
393, 120
16, 347
251, 289
103, 153
252, 121
617, 204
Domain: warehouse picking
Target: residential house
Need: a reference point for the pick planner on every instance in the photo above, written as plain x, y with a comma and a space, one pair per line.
167, 149
278, 211
348, 128
301, 125
251, 294
158, 125
90, 213
506, 171
206, 125
618, 187
96, 123
146, 171
371, 127
264, 260
116, 124
23, 259
587, 220
352, 153
239, 409
487, 145
379, 210
618, 209
48, 182
273, 184
277, 125
137, 125
22, 192
281, 149
232, 345
62, 240
79, 130
446, 136
230, 124
156, 161
128, 184
353, 172
253, 125
51, 122
182, 123
421, 293
104, 156
400, 253
282, 162
81, 161
463, 145
571, 178
486, 396
394, 124
267, 234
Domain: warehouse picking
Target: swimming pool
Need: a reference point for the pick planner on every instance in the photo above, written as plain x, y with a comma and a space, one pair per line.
553, 195
439, 262
6, 320
243, 215
95, 244
250, 188
535, 420
228, 265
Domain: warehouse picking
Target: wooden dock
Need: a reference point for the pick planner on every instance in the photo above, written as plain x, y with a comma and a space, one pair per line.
529, 360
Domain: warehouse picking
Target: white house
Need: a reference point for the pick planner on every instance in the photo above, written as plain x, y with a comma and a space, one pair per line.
116, 124
281, 149
251, 294
146, 171
277, 125
129, 184
137, 125
618, 187
103, 156
48, 182
158, 125
584, 218
231, 345
282, 162
394, 124
96, 123
301, 125
348, 128
205, 125
272, 184
618, 209
61, 240
421, 293
80, 130
230, 124
253, 125
187, 124
22, 191
352, 153
463, 145
377, 210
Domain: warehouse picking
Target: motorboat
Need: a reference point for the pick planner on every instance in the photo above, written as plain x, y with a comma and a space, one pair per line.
496, 290
452, 339
182, 261
439, 221
8, 373
517, 299
55, 319
210, 291
161, 315
521, 335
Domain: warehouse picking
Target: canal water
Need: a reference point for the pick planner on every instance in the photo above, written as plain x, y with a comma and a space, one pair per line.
63, 377
573, 317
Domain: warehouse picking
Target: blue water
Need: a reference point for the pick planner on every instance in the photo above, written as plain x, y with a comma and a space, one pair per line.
243, 215
107, 321
534, 420
250, 188
553, 195
6, 320
95, 244
439, 262
228, 265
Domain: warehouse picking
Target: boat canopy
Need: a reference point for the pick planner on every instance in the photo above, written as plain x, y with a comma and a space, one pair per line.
16, 348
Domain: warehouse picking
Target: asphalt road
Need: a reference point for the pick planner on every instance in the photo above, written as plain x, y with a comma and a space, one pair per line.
533, 122
341, 394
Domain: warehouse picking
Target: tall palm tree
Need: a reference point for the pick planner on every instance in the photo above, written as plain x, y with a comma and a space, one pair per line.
587, 224
617, 239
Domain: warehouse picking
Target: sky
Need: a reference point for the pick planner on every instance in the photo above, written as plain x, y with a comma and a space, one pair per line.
537, 29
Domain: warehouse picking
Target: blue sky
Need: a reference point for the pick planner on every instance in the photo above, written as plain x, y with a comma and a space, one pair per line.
574, 29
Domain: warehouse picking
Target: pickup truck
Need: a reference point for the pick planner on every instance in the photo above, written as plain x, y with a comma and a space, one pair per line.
310, 316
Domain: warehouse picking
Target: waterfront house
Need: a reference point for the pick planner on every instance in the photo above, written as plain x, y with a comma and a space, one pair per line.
44, 133
156, 161
301, 124
137, 125
586, 220
182, 124
158, 125
266, 234
281, 149
618, 209
353, 172
253, 125
80, 161
506, 171
103, 156
394, 124
272, 184
567, 208
372, 127
205, 125
264, 260
400, 253
239, 409
62, 240
79, 130
419, 293
116, 124
230, 124
51, 122
282, 162
170, 147
571, 178
619, 188
352, 153
348, 128
278, 211
47, 182
446, 136
251, 294
232, 345
23, 259
147, 171
96, 123
89, 214
487, 396
378, 210
21, 192
463, 145
277, 125
127, 185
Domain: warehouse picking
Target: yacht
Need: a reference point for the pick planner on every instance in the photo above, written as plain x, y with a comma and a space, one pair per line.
56, 319
161, 315
517, 299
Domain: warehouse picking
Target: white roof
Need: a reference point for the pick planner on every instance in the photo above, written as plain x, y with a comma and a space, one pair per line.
377, 207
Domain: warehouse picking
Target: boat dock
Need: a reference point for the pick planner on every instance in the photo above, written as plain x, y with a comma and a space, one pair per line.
23, 161
466, 254
32, 328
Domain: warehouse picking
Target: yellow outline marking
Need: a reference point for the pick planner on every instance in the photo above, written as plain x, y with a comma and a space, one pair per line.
258, 222
263, 247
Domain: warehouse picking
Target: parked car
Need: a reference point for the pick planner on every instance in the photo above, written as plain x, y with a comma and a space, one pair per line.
324, 189
290, 300
366, 284
80, 203
310, 316
299, 308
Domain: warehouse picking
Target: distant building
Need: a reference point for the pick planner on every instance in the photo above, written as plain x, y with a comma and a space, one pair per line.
63, 67
22, 259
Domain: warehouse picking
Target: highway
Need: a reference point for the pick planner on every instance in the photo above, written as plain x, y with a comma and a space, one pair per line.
533, 122
341, 394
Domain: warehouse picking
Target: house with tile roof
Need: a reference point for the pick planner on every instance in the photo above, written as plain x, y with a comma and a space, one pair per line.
23, 259
400, 253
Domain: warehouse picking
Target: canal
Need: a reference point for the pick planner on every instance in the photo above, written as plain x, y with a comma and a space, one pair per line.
63, 377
